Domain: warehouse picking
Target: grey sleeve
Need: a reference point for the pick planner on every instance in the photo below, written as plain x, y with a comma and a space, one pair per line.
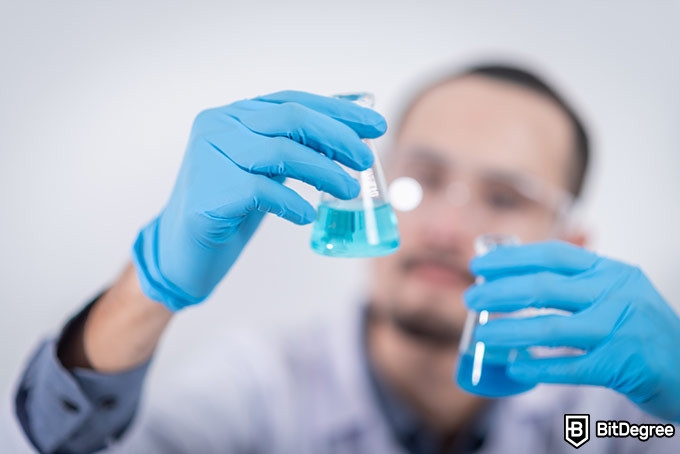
74, 411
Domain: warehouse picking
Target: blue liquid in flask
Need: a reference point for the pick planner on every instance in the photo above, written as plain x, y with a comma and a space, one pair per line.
491, 378
355, 231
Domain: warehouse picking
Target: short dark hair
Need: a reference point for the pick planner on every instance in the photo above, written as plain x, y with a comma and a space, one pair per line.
528, 79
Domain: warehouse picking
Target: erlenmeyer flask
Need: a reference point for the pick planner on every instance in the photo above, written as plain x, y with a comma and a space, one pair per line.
483, 370
365, 226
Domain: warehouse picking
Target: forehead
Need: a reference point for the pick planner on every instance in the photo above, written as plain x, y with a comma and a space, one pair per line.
490, 124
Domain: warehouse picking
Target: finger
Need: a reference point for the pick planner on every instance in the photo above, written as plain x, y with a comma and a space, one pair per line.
275, 198
572, 370
306, 126
541, 289
365, 122
555, 256
280, 156
268, 196
544, 330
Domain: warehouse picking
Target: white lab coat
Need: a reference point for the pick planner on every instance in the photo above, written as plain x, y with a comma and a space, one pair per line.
311, 394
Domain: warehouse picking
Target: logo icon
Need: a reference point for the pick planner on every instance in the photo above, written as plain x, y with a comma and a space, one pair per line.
576, 429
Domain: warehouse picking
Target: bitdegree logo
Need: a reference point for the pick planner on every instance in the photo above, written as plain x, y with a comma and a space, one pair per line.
623, 429
577, 430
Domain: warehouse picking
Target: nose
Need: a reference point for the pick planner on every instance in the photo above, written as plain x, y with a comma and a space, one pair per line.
458, 194
452, 222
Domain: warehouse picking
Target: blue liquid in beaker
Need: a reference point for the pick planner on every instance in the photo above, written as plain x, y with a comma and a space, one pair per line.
492, 379
355, 231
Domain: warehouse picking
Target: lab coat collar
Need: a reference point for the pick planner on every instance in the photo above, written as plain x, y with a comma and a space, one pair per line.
351, 408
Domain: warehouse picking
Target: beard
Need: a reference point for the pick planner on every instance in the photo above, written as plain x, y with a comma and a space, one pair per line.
425, 312
424, 326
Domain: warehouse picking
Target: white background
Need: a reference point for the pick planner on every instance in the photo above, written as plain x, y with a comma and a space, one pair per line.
97, 98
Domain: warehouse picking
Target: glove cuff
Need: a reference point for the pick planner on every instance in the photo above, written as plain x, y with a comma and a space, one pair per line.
154, 285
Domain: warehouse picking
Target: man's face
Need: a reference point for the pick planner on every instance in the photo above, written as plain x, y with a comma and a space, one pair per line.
491, 157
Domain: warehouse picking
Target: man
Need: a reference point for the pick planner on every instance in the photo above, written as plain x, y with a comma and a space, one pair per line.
494, 150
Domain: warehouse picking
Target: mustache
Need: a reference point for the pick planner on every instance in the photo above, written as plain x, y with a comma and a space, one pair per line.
446, 259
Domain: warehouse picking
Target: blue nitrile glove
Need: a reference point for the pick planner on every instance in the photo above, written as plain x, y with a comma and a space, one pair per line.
235, 163
630, 334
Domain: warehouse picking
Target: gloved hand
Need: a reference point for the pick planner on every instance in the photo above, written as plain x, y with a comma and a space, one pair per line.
235, 163
630, 334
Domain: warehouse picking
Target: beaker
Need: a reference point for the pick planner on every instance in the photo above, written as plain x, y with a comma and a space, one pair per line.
483, 370
365, 226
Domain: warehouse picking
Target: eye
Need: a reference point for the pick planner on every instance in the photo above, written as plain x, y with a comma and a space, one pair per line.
428, 180
506, 199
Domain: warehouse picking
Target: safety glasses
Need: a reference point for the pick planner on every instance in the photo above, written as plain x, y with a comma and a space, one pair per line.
495, 200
